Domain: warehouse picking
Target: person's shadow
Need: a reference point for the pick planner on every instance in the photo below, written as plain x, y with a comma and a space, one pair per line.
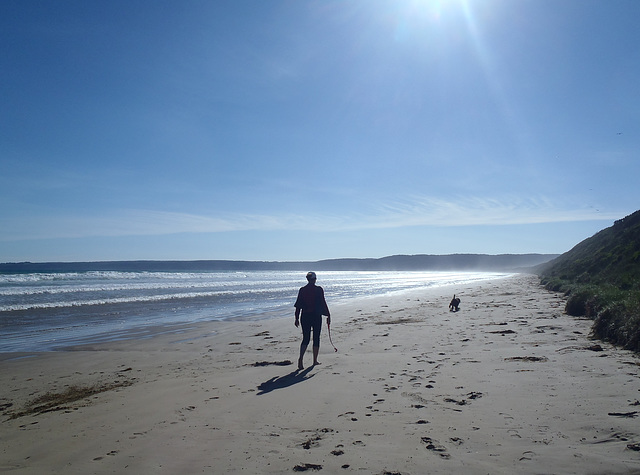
281, 382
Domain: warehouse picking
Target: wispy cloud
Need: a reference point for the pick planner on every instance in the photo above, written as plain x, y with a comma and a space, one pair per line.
412, 211
475, 211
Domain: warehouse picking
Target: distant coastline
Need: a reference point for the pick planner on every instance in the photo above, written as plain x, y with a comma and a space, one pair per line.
427, 262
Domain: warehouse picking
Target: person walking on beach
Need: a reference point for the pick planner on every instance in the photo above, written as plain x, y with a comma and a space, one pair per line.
313, 306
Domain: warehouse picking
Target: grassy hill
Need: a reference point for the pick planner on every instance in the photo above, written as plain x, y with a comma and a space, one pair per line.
601, 276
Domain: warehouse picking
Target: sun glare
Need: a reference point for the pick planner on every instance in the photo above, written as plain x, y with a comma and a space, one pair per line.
417, 19
433, 9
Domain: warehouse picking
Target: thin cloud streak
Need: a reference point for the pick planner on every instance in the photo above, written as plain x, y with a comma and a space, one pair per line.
419, 211
427, 211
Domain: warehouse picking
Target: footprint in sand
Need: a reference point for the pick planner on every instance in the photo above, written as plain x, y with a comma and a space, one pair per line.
416, 398
307, 466
311, 442
528, 455
314, 440
435, 446
514, 433
338, 450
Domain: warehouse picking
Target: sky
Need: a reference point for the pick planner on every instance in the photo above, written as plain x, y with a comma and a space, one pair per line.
305, 130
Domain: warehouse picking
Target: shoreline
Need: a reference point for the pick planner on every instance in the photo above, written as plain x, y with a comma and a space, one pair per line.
67, 317
507, 384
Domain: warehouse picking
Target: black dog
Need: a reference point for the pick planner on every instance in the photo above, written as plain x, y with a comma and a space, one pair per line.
455, 303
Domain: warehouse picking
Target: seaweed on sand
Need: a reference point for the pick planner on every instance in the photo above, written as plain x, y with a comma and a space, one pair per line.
59, 401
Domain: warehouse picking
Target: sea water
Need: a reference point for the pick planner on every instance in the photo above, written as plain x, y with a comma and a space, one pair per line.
49, 311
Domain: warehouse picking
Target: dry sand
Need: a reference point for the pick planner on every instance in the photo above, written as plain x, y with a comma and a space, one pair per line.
509, 384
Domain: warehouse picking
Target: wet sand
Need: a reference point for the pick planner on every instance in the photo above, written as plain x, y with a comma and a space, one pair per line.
509, 384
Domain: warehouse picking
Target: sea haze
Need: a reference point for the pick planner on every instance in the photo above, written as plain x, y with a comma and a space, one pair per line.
48, 311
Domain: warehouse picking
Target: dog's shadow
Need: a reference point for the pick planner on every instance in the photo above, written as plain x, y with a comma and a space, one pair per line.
281, 382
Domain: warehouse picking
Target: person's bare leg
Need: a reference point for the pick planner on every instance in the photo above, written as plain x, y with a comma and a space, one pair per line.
303, 349
316, 350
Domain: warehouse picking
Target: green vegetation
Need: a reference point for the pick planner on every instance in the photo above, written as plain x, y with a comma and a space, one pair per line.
601, 277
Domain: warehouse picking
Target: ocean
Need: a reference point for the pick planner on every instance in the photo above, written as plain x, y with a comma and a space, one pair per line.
49, 311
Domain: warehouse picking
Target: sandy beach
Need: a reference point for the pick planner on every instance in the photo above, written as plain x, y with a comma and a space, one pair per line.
509, 384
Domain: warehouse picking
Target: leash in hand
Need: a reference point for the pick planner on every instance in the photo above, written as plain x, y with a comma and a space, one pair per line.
330, 340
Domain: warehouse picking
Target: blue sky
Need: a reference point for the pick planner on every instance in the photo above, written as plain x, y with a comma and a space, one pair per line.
304, 130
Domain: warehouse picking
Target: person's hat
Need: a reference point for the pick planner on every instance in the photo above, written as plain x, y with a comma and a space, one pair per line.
311, 275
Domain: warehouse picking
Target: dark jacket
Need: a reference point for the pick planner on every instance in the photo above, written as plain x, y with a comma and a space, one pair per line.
311, 300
